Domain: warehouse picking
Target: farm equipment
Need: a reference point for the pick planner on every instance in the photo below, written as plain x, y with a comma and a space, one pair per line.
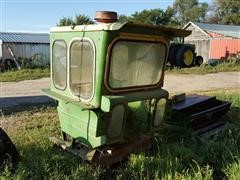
183, 55
107, 79
7, 64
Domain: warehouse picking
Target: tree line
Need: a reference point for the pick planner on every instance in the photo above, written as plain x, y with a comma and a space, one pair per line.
181, 12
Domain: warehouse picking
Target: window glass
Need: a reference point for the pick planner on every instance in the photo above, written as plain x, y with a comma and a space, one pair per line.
59, 64
81, 68
136, 64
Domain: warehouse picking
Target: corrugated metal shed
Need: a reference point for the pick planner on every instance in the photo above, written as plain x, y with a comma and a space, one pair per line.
25, 37
222, 48
214, 41
227, 30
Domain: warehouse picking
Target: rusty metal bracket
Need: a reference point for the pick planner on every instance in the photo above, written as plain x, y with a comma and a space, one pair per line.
107, 155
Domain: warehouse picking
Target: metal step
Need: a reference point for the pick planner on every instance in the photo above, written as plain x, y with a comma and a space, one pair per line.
204, 113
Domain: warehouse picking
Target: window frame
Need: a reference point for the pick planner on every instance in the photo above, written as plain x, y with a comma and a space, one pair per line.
134, 38
94, 67
53, 80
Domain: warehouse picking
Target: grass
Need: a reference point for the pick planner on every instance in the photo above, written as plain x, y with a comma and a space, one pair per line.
176, 153
24, 74
205, 68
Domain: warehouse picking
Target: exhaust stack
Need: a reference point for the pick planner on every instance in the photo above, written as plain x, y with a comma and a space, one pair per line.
106, 16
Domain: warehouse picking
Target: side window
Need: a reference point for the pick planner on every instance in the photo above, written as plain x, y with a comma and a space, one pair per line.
82, 68
59, 64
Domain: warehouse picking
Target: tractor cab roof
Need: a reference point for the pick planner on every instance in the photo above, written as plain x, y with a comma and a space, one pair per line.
173, 32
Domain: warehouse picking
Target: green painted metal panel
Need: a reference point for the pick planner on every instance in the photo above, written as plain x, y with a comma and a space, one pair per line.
60, 97
80, 124
109, 101
97, 38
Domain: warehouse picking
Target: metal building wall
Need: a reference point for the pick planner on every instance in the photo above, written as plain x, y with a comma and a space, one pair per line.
196, 34
213, 44
1, 49
222, 48
26, 50
202, 48
200, 39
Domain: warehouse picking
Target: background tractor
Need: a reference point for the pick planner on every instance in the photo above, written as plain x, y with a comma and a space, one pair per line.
183, 55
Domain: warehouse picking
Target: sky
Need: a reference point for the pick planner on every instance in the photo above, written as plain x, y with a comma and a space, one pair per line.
41, 15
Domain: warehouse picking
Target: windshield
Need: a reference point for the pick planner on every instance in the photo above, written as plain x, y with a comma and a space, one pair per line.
136, 64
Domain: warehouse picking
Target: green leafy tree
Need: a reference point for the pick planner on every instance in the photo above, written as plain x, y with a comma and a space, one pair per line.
190, 10
152, 16
225, 12
147, 16
203, 10
123, 18
79, 20
65, 21
169, 17
82, 19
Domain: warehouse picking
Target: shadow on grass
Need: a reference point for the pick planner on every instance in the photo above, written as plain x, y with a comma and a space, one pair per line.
51, 162
9, 105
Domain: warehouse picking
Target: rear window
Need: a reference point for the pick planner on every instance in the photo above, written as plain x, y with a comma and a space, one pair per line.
82, 68
59, 64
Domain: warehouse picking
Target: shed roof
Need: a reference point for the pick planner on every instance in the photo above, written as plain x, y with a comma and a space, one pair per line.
227, 30
16, 37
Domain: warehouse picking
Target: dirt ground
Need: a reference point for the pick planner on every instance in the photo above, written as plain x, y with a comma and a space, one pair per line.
23, 88
174, 83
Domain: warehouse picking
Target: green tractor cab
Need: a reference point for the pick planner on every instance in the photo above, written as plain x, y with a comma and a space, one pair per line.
107, 79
